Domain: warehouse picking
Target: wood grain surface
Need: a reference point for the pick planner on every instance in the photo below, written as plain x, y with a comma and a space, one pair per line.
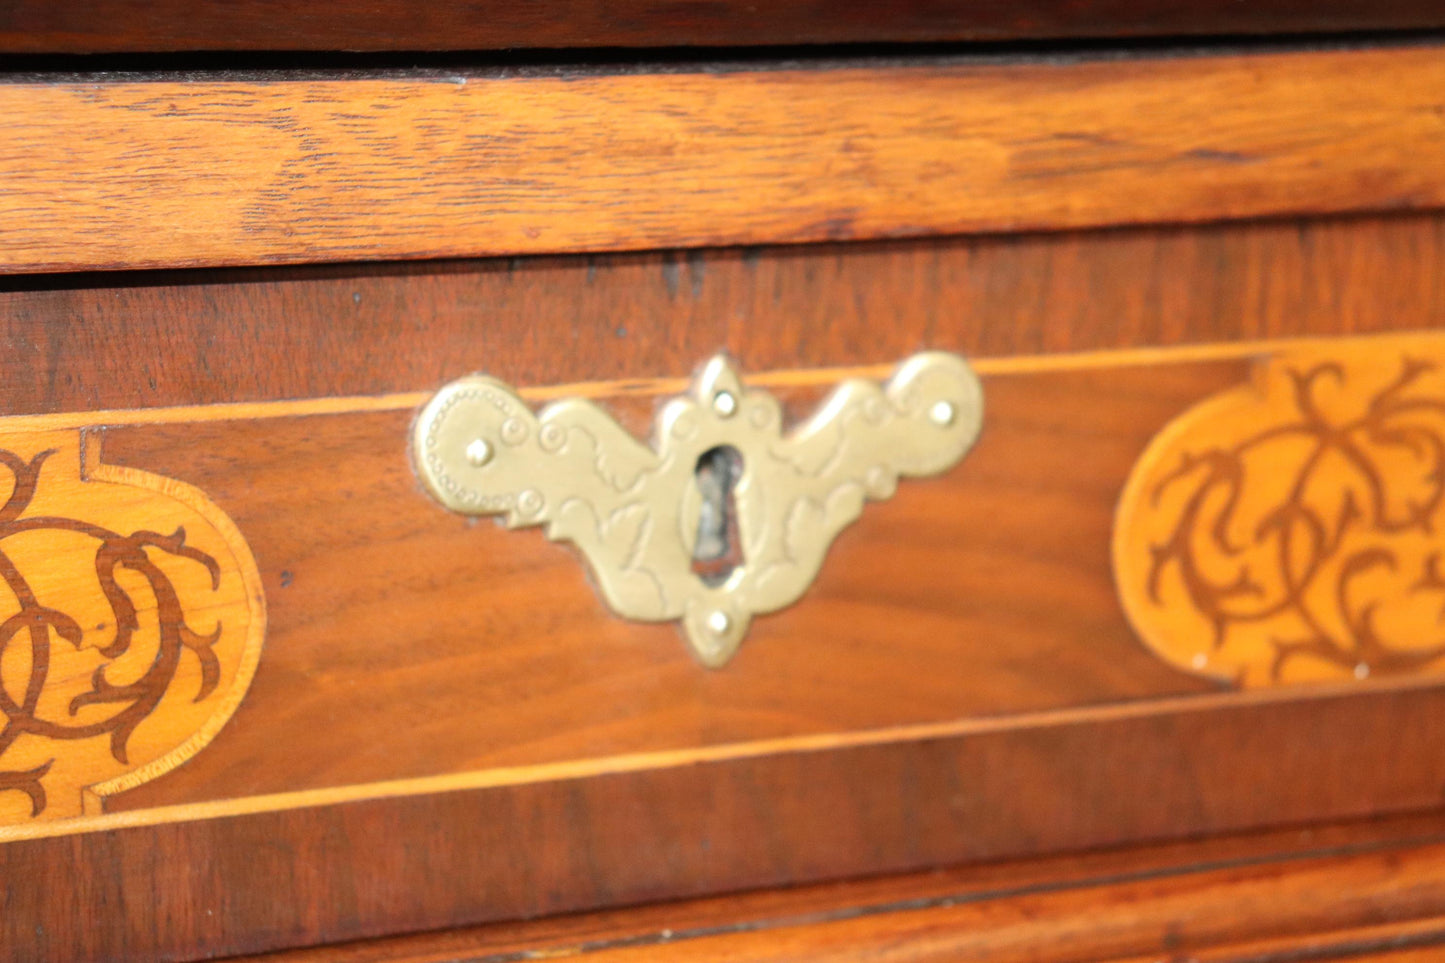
946, 616
149, 339
66, 26
1269, 870
1208, 902
376, 668
210, 172
928, 615
369, 868
1282, 863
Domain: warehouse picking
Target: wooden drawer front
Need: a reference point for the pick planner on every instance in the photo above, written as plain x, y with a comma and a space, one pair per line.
259, 689
447, 725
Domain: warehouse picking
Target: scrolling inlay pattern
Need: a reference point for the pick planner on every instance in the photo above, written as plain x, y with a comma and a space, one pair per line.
130, 626
1291, 530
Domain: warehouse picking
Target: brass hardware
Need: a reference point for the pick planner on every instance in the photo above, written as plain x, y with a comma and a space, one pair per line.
658, 526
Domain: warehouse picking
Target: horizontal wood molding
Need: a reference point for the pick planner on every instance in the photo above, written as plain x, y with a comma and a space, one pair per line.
257, 882
213, 172
68, 26
1355, 902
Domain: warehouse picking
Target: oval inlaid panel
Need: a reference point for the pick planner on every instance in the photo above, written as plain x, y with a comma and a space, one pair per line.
130, 626
1291, 530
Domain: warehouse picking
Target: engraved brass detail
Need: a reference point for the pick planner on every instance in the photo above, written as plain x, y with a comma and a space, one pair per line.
635, 512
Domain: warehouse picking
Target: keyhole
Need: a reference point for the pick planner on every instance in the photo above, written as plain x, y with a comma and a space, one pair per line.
719, 549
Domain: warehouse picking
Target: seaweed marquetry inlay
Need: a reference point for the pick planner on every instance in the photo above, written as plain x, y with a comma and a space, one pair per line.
131, 622
1293, 529
725, 517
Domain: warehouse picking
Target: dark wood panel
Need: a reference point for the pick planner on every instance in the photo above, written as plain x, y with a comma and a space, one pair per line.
213, 171
1359, 901
37, 26
146, 340
1269, 869
257, 882
926, 614
361, 670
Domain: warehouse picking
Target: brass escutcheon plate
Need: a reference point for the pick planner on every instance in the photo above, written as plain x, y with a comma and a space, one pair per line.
721, 471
